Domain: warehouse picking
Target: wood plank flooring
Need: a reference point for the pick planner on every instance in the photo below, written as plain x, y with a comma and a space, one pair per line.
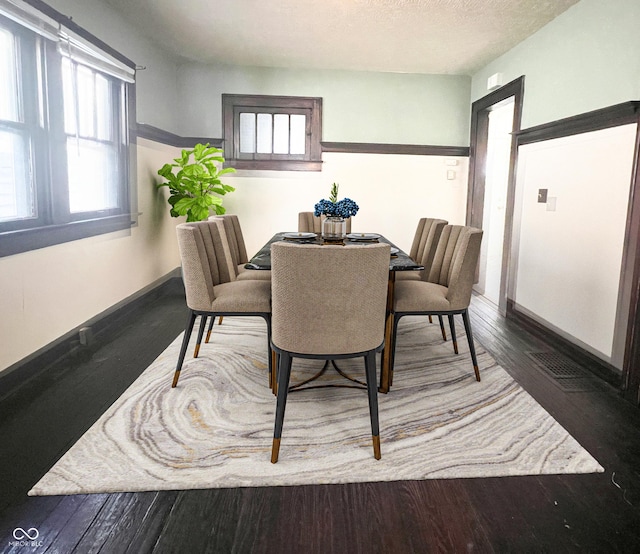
569, 513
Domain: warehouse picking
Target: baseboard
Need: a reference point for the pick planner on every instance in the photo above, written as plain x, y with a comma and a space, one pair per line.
97, 329
589, 361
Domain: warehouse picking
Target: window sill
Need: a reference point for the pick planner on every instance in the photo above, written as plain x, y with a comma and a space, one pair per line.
275, 165
25, 240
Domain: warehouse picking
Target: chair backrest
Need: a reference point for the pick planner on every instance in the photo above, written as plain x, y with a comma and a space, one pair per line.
425, 242
235, 237
310, 223
328, 299
206, 260
455, 261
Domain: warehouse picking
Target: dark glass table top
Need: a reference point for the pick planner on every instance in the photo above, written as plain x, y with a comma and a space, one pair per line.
400, 261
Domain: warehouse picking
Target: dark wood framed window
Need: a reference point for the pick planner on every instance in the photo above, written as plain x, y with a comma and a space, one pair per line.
272, 132
65, 105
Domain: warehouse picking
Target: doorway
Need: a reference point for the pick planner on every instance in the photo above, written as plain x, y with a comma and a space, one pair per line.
495, 120
496, 185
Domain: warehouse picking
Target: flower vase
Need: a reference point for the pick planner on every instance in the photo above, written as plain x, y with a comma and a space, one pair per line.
334, 228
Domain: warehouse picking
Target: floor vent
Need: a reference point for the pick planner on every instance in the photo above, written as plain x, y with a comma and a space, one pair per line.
565, 373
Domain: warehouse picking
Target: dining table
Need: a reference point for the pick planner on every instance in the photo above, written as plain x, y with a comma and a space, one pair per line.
398, 261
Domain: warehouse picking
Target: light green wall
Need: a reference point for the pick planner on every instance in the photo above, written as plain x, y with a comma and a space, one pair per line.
585, 59
357, 106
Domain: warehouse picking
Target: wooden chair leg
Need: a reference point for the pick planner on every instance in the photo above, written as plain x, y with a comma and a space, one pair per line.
220, 318
444, 333
191, 319
467, 328
370, 368
213, 318
284, 373
452, 326
203, 324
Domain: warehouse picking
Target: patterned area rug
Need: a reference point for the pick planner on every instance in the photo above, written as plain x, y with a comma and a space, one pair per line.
215, 429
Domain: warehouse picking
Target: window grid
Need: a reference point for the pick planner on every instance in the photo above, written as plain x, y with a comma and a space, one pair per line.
272, 132
63, 145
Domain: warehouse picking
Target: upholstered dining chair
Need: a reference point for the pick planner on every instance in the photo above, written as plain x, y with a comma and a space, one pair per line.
328, 302
423, 248
447, 289
310, 223
238, 250
207, 270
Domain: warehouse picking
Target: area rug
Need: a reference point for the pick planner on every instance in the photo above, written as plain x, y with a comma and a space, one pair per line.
215, 429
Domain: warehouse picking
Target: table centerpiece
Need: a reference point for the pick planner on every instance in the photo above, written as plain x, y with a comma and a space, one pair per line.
334, 225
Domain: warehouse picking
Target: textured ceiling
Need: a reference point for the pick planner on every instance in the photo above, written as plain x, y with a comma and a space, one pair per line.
416, 36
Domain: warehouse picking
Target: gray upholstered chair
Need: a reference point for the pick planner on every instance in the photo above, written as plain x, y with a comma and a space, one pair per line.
423, 249
239, 257
207, 270
310, 223
328, 302
447, 290
239, 250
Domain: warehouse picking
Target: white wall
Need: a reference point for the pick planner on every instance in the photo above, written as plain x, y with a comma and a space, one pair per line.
569, 260
48, 292
392, 191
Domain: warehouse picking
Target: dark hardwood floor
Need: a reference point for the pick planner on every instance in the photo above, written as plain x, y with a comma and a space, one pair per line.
42, 418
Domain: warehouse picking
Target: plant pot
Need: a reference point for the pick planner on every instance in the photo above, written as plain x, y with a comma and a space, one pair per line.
334, 228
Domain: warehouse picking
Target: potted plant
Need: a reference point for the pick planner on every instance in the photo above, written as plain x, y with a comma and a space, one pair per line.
195, 188
335, 212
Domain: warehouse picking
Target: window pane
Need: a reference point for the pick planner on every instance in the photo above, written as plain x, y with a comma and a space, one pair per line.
280, 133
103, 108
68, 97
9, 104
298, 133
16, 191
93, 176
86, 98
265, 133
247, 133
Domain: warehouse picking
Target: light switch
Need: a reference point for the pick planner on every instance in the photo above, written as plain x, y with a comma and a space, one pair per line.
451, 175
542, 195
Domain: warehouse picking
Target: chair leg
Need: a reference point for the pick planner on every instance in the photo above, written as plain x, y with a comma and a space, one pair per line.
444, 333
220, 318
370, 368
273, 376
270, 353
213, 319
392, 353
203, 324
452, 326
284, 373
183, 349
467, 328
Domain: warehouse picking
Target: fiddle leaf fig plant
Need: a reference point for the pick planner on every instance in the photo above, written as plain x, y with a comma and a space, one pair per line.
194, 185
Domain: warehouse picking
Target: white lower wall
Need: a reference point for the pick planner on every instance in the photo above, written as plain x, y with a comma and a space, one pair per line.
569, 260
48, 292
393, 192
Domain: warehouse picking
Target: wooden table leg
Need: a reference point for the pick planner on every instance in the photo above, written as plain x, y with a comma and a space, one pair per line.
386, 374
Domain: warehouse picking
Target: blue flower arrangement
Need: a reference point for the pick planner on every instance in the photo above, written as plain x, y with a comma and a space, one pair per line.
344, 208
